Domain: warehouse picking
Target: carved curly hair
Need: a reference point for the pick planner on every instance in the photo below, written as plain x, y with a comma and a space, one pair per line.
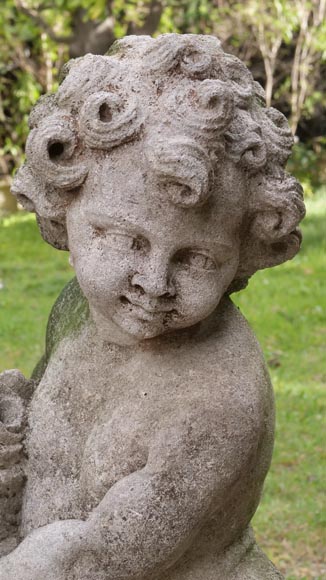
187, 100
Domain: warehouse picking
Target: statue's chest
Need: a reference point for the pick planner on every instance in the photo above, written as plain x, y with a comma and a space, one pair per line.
88, 429
87, 449
101, 411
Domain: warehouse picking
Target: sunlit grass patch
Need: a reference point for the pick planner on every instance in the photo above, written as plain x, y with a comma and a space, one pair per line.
32, 273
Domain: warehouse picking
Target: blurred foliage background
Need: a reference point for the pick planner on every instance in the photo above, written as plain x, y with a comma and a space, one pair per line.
284, 44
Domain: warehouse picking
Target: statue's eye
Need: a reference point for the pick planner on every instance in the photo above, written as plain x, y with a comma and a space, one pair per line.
200, 261
114, 240
195, 260
120, 239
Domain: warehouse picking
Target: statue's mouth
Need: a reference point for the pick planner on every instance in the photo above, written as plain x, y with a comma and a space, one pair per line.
149, 309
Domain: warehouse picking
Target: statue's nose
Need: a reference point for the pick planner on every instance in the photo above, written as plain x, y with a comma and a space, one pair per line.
154, 278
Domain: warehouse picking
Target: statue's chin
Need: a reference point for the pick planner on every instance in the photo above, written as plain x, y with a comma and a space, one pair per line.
141, 330
135, 333
125, 331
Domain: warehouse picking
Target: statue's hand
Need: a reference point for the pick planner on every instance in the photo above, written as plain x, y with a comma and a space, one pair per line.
15, 391
48, 553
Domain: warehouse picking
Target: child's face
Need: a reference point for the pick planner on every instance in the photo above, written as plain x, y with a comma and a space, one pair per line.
145, 265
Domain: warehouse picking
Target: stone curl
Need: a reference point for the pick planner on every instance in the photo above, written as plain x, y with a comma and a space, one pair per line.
205, 108
49, 149
278, 205
174, 52
189, 181
244, 143
108, 119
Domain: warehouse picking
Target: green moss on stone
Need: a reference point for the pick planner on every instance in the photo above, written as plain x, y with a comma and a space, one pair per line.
68, 315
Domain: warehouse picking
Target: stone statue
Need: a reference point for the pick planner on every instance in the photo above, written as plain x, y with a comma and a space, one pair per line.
139, 448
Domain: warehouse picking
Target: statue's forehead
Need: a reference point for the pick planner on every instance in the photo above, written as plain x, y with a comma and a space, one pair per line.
123, 190
128, 176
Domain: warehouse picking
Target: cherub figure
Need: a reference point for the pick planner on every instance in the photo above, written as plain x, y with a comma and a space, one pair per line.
150, 430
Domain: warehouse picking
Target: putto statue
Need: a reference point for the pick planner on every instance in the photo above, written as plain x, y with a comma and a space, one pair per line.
139, 449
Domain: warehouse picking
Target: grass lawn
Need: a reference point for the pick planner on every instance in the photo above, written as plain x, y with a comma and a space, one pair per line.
286, 307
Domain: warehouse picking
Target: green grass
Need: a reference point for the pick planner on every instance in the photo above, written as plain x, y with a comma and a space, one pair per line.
286, 306
32, 274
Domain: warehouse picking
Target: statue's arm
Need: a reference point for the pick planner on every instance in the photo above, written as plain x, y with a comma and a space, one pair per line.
148, 519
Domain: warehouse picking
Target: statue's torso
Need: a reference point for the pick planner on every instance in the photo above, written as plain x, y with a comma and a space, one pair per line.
93, 418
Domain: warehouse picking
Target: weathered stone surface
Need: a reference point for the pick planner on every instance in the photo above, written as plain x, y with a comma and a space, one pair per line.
15, 392
150, 432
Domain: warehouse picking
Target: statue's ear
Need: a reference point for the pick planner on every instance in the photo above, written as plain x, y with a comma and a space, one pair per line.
48, 205
274, 224
276, 208
257, 254
23, 188
53, 232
